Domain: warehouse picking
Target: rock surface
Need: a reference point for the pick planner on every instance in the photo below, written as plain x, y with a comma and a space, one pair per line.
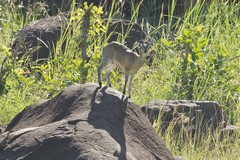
37, 39
194, 116
231, 132
82, 122
120, 28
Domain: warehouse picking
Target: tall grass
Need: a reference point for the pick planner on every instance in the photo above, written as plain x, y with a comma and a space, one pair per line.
214, 73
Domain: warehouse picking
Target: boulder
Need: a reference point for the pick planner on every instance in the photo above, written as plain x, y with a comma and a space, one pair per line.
230, 132
117, 30
82, 122
37, 39
193, 116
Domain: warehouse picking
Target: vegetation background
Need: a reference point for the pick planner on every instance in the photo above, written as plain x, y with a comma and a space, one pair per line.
197, 57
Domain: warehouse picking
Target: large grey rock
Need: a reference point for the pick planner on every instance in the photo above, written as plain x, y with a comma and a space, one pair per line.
36, 40
82, 122
120, 28
192, 116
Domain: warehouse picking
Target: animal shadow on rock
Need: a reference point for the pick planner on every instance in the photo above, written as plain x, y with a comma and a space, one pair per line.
108, 113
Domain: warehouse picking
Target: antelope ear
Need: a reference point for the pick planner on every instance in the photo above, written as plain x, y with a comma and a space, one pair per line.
135, 45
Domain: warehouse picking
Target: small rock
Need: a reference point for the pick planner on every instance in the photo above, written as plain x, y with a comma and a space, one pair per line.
230, 132
194, 116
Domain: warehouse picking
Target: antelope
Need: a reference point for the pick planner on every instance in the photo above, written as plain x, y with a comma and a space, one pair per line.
116, 55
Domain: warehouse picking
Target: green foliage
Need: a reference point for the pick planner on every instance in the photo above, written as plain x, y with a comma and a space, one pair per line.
193, 42
96, 24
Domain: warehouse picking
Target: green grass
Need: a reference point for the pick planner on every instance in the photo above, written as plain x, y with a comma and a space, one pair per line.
209, 33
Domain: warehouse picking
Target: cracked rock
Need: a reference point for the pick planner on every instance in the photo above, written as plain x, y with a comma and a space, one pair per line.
82, 122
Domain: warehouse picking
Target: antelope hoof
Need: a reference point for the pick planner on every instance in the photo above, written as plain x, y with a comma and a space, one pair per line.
100, 84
